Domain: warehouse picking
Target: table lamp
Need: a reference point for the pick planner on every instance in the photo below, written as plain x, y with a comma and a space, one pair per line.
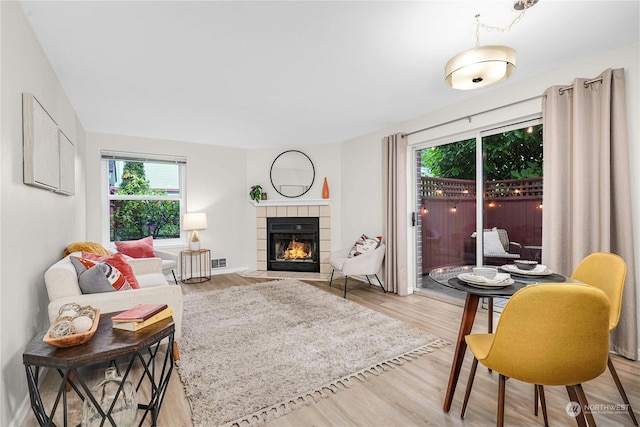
194, 222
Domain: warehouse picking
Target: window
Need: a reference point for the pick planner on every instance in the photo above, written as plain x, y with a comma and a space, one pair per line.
144, 196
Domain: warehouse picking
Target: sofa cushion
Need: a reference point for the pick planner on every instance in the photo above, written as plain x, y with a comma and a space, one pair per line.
98, 277
364, 244
81, 264
492, 243
92, 247
118, 261
142, 248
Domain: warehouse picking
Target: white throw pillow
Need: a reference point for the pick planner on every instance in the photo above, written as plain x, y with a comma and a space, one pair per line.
364, 244
492, 243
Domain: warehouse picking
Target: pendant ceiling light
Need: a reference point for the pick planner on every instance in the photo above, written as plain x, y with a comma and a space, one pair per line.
480, 67
484, 66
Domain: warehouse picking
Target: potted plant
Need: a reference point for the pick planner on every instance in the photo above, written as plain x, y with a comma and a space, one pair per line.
256, 193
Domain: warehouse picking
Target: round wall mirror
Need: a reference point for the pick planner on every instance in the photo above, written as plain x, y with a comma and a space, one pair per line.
292, 173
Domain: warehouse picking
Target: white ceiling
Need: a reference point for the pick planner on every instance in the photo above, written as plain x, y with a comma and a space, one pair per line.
289, 73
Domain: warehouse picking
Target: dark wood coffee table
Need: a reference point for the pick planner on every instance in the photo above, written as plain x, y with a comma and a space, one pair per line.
107, 345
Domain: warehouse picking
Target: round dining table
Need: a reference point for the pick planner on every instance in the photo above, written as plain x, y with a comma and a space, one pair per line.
448, 276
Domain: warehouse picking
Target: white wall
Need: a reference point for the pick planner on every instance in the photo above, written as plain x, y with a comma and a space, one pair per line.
216, 184
365, 150
35, 224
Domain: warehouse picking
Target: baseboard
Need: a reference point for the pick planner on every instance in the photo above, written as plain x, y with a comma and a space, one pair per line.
24, 408
227, 270
280, 275
21, 413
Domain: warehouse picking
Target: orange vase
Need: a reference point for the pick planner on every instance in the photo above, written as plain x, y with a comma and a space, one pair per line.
325, 189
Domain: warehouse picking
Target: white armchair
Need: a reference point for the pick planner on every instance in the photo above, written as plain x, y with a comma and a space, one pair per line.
169, 262
366, 264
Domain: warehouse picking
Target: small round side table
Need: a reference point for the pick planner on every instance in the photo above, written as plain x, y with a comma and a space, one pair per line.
195, 266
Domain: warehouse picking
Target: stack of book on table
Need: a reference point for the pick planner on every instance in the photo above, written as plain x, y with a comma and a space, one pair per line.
140, 316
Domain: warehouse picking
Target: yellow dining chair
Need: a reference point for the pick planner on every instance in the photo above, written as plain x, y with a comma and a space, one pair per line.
549, 334
608, 272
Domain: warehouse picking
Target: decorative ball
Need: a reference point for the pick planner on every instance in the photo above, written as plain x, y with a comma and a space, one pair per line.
87, 311
61, 328
68, 313
71, 306
82, 324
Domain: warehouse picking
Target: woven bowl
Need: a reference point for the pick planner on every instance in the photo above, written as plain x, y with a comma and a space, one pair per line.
74, 339
525, 265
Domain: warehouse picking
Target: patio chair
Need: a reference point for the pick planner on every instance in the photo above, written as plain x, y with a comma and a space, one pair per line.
497, 245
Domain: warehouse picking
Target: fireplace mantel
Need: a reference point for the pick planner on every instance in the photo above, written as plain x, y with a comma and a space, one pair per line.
292, 202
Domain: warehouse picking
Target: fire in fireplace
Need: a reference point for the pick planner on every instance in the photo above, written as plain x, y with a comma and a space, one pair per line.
292, 244
298, 250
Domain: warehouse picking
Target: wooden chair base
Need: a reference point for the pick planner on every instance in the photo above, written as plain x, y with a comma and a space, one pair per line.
539, 396
176, 353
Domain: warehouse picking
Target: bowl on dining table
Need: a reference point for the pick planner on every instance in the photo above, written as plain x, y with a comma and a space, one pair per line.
487, 273
525, 264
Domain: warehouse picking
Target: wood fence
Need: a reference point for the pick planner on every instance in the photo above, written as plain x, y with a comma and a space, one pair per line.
448, 214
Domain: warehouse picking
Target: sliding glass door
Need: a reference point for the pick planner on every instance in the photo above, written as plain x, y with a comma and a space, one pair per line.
447, 200
495, 180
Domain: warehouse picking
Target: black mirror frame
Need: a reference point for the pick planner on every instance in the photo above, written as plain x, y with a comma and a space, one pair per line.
313, 170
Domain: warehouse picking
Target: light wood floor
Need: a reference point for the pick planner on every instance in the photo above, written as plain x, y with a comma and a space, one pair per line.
412, 395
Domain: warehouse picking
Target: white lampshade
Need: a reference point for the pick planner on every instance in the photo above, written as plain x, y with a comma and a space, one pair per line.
194, 221
480, 67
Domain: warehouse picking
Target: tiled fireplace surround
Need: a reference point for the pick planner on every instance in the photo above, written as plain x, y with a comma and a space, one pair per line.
323, 212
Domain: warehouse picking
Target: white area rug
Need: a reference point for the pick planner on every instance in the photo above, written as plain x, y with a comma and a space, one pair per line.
249, 354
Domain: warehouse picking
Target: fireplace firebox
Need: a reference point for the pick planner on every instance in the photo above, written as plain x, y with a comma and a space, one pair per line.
293, 244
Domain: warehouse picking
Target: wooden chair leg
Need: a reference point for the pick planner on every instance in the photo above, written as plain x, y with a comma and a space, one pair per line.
573, 397
502, 385
331, 279
176, 352
539, 396
70, 379
472, 375
585, 405
625, 399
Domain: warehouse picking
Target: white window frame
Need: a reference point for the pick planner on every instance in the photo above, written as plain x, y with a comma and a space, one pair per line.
107, 198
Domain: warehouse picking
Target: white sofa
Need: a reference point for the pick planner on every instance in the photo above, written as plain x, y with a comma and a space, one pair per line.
169, 261
62, 285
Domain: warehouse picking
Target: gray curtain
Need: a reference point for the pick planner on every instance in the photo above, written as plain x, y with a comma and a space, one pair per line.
587, 185
395, 198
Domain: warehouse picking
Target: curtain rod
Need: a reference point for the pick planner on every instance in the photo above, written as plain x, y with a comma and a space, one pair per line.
586, 84
469, 116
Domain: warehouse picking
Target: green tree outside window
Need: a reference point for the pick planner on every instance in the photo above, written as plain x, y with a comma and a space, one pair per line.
136, 219
515, 154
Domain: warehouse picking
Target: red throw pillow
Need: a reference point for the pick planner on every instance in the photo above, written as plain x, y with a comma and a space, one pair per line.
118, 261
142, 248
